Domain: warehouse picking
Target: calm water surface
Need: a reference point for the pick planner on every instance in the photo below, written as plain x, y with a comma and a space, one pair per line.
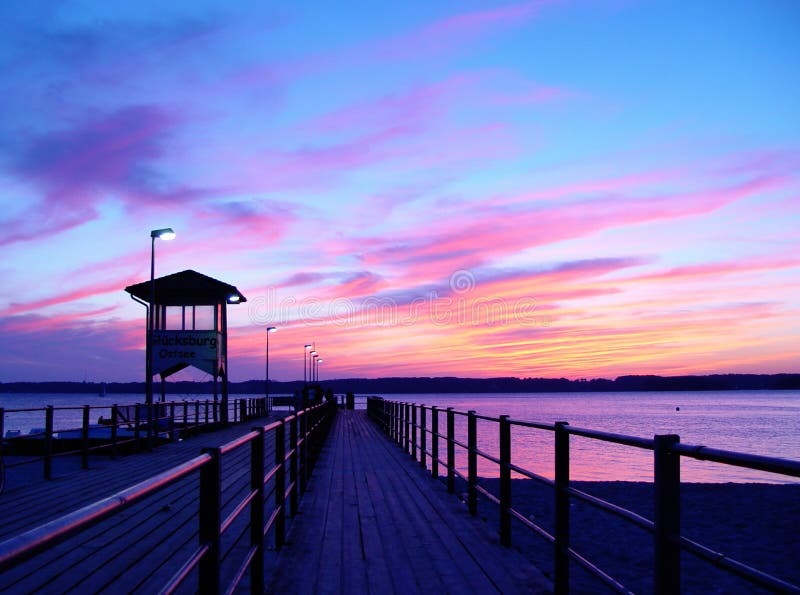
758, 422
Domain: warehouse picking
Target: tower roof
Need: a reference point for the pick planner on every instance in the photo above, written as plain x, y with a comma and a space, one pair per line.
187, 288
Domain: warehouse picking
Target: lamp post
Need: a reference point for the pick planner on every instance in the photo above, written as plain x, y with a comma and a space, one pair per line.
312, 354
319, 361
165, 234
306, 348
270, 329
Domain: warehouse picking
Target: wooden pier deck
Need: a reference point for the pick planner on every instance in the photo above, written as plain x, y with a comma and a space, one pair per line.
373, 521
37, 501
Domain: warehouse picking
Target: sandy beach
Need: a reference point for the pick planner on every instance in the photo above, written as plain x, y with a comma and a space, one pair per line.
758, 524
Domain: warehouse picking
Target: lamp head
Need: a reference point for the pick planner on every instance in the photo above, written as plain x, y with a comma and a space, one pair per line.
271, 329
165, 234
233, 298
307, 347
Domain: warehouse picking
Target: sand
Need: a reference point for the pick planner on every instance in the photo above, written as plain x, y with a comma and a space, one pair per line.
758, 524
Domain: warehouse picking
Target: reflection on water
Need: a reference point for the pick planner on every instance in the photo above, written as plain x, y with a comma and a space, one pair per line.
758, 422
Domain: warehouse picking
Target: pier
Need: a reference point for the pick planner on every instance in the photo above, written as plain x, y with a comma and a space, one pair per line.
367, 519
332, 500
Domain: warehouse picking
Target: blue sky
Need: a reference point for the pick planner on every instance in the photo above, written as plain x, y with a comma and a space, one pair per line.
583, 188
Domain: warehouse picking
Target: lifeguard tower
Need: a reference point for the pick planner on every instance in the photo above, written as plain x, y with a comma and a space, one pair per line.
190, 327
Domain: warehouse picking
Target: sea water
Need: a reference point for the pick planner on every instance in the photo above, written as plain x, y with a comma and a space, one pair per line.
756, 422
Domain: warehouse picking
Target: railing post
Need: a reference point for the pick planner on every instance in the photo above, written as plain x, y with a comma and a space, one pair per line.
85, 438
423, 438
172, 435
434, 442
303, 451
472, 462
114, 423
2, 430
137, 418
280, 485
451, 450
196, 413
562, 507
505, 481
293, 462
48, 442
242, 409
400, 409
414, 431
210, 480
257, 512
394, 421
406, 426
206, 422
667, 518
185, 416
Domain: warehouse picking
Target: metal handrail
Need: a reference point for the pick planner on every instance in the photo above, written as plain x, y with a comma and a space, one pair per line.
399, 421
242, 409
206, 557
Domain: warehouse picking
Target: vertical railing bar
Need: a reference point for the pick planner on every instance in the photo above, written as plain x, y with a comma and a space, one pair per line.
505, 481
85, 438
114, 424
293, 462
280, 484
210, 496
561, 545
414, 431
423, 438
257, 512
137, 420
407, 424
472, 462
434, 442
451, 450
304, 445
667, 515
48, 442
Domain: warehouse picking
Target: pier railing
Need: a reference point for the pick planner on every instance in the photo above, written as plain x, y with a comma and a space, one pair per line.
281, 456
127, 427
418, 429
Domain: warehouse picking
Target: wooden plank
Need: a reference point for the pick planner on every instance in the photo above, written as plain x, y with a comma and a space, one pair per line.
389, 527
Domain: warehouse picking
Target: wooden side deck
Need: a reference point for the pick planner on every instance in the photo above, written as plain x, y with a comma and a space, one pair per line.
32, 501
373, 521
135, 551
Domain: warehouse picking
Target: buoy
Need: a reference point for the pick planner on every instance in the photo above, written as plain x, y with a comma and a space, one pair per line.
677, 408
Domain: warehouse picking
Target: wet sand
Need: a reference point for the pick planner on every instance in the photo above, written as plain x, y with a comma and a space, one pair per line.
758, 524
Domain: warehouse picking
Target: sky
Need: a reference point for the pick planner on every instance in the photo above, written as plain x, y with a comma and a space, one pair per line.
565, 188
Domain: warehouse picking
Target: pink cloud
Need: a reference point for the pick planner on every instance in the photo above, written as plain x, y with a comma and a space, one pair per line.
452, 32
79, 167
64, 297
473, 237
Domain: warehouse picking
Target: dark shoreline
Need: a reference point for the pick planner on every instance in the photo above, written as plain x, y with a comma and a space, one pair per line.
754, 523
428, 385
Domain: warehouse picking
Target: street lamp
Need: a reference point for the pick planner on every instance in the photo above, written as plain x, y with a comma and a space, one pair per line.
165, 234
319, 361
270, 329
306, 348
312, 354
314, 368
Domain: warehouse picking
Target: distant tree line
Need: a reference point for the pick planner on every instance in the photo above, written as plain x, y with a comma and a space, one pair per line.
438, 385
